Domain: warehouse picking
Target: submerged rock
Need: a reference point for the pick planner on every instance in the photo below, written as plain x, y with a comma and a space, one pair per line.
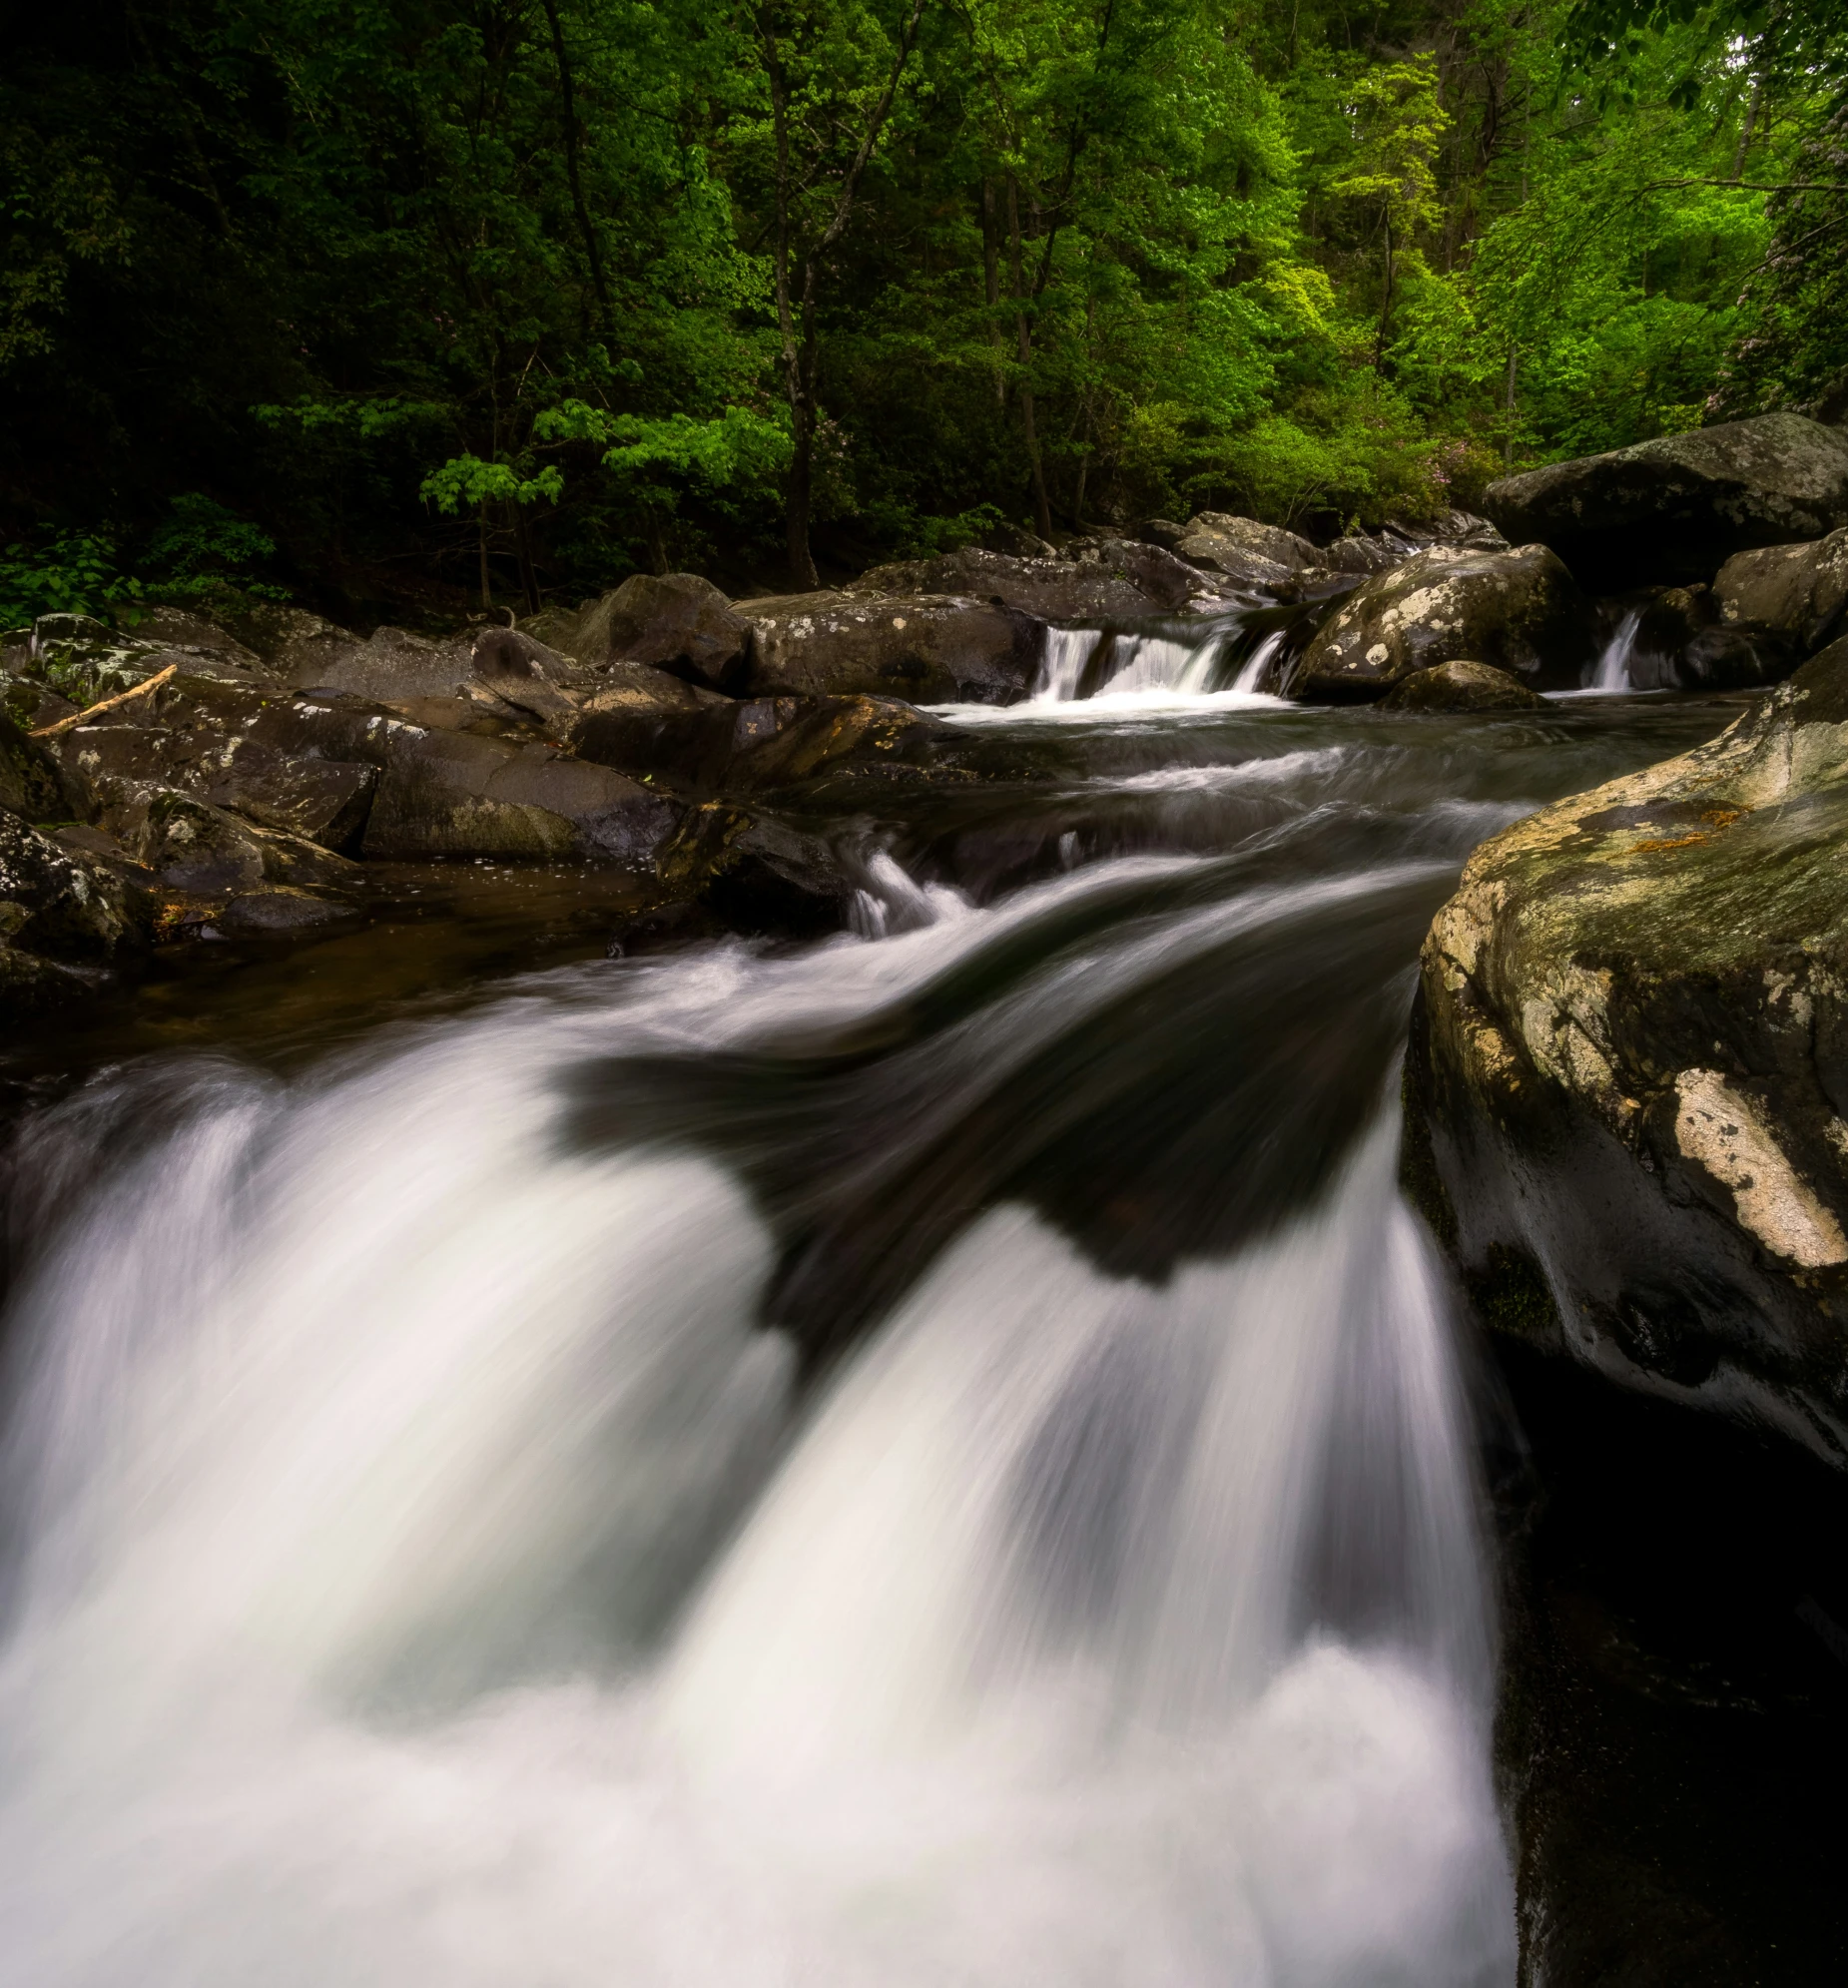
1518, 611
1460, 686
1674, 509
1629, 1072
927, 649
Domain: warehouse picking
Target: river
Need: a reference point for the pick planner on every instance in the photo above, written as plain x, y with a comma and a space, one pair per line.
933, 1456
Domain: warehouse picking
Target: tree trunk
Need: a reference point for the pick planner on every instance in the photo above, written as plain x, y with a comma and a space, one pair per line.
1507, 437
487, 596
991, 286
569, 107
1386, 300
1023, 352
529, 580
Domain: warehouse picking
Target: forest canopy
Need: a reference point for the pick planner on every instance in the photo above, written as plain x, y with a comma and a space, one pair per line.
377, 300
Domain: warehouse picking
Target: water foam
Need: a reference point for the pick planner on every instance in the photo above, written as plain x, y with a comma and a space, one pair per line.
426, 1579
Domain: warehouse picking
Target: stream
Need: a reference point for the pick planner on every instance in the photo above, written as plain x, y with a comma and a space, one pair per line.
935, 1456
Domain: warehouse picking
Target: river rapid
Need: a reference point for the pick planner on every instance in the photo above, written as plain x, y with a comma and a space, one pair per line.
933, 1456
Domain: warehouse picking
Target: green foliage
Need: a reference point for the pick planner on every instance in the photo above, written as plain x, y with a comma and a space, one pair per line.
524, 295
74, 574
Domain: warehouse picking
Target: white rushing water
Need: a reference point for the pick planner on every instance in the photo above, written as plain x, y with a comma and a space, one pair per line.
1612, 672
1154, 672
426, 1574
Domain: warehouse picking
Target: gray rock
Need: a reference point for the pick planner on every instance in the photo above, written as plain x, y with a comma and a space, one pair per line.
676, 623
1630, 1073
34, 783
1680, 643
60, 905
927, 649
1518, 611
1357, 554
391, 663
232, 747
522, 673
1459, 686
1095, 579
649, 723
444, 794
1797, 591
1227, 543
1674, 509
757, 873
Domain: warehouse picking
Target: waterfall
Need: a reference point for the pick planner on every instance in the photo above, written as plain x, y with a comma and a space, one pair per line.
427, 1571
1228, 654
1613, 671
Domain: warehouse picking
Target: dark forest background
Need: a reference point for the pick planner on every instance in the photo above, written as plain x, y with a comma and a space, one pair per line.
409, 305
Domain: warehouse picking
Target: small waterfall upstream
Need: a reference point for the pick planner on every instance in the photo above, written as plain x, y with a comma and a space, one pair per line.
1614, 661
1235, 654
426, 1568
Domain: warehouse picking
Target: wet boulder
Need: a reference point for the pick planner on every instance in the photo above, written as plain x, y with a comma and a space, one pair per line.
64, 918
1674, 509
927, 649
1516, 611
1798, 592
785, 741
1628, 1078
232, 746
757, 874
1460, 686
674, 622
1679, 641
650, 723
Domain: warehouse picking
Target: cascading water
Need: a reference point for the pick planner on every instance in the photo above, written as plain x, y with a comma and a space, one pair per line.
1612, 670
934, 1457
1227, 654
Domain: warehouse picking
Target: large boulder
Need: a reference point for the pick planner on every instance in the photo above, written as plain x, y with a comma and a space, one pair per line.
676, 623
1798, 591
1095, 579
927, 649
446, 794
1628, 1080
1242, 551
1674, 509
1461, 686
1518, 611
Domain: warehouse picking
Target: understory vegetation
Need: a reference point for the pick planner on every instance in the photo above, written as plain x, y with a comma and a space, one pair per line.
496, 301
